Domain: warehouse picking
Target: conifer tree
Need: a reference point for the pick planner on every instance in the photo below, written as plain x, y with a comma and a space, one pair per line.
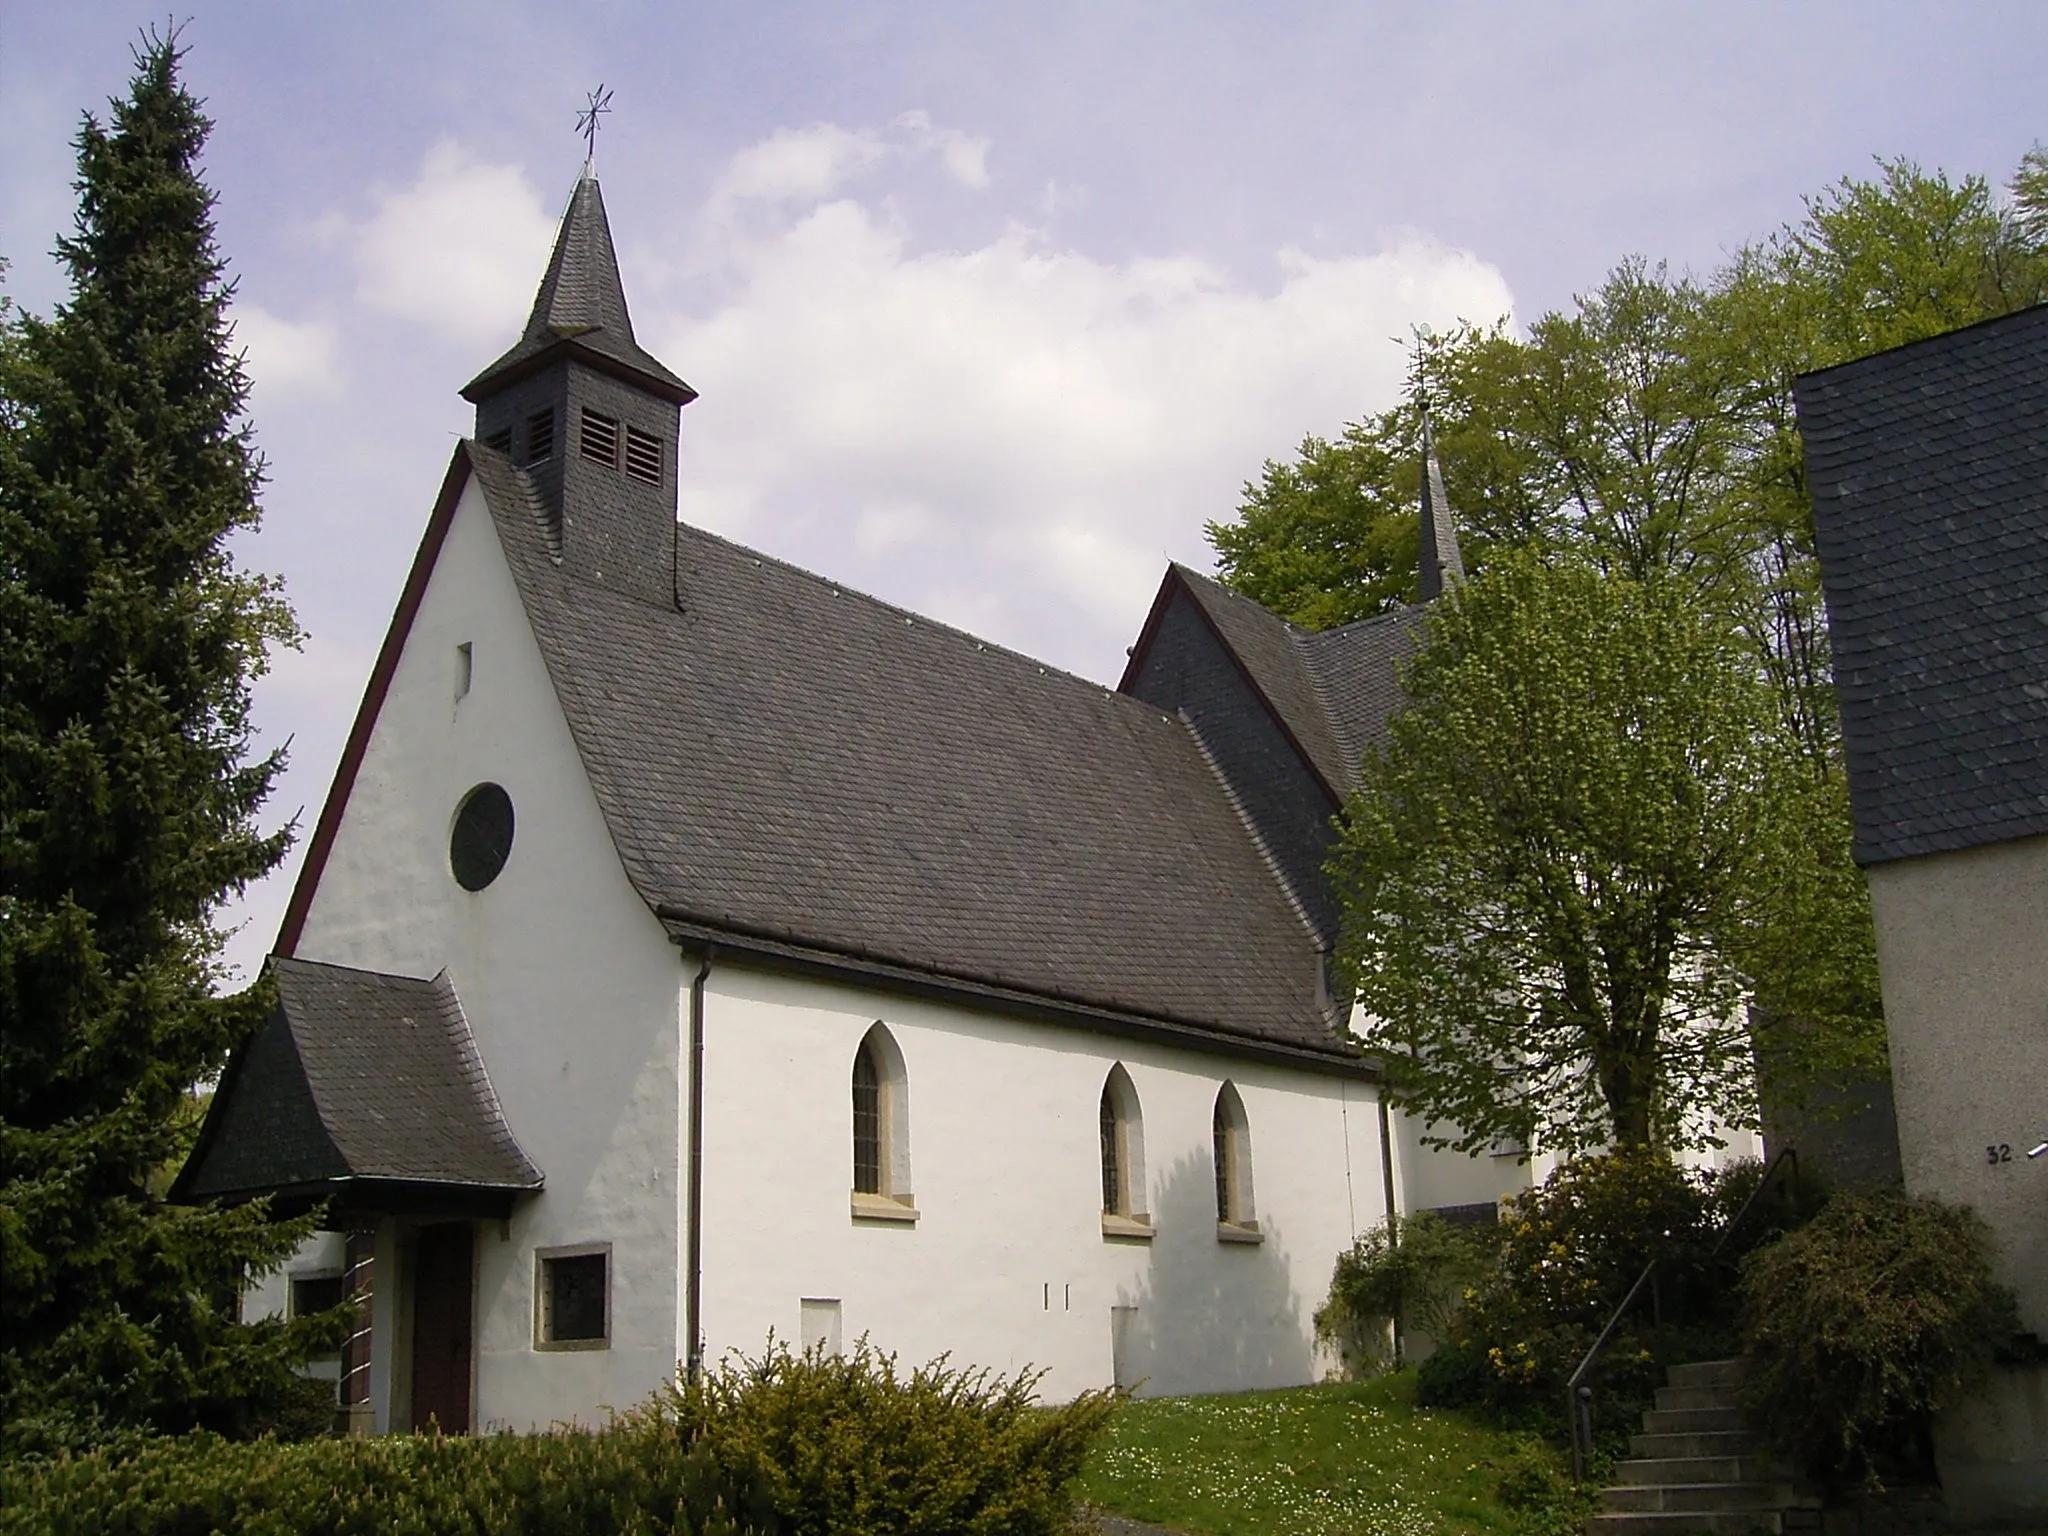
128, 797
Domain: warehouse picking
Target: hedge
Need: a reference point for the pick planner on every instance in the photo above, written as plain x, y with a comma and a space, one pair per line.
782, 1445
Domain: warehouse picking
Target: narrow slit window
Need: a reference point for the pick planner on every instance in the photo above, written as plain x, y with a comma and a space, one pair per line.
1112, 1156
643, 456
600, 440
465, 669
1231, 1132
867, 1122
540, 436
1219, 1135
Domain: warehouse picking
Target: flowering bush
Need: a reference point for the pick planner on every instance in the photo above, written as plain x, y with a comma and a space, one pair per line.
1568, 1251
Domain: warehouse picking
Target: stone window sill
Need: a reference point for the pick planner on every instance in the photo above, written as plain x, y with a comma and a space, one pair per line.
1135, 1228
895, 1208
567, 1346
1239, 1232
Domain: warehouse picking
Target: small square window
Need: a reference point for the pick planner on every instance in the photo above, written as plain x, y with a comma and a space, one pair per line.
317, 1293
574, 1299
314, 1294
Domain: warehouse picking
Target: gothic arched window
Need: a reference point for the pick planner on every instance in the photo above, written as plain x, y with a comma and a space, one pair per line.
1232, 1144
881, 1131
1122, 1138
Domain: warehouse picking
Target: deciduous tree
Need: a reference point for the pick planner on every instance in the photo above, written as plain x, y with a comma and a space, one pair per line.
1553, 864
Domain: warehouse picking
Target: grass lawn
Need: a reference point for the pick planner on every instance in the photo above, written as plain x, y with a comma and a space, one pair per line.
1359, 1457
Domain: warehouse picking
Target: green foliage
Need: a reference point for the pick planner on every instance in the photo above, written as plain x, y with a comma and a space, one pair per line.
1415, 1272
1648, 430
1863, 1324
1553, 860
847, 1443
128, 639
1568, 1252
784, 1445
1347, 1459
639, 1475
1332, 536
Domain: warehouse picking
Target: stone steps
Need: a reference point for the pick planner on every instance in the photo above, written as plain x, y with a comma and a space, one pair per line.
1737, 1522
1693, 1498
1696, 1467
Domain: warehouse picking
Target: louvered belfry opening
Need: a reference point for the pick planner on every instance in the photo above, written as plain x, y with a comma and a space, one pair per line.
600, 442
540, 436
643, 456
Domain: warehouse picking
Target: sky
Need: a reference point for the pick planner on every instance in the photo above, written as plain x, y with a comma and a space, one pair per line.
990, 307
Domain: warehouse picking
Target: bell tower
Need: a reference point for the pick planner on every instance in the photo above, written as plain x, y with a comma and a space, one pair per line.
589, 415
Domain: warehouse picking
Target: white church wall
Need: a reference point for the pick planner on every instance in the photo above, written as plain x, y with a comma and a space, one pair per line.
568, 982
1007, 1264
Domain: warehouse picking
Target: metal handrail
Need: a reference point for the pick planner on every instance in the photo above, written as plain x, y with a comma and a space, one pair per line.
1579, 1396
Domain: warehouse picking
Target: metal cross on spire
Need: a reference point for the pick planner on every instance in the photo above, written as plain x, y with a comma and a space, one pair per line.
599, 105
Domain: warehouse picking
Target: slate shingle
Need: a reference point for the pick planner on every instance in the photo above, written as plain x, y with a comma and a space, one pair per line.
1929, 471
581, 308
357, 1075
779, 756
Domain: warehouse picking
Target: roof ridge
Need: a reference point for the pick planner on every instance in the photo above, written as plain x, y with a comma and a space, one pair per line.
1318, 682
841, 588
1923, 341
471, 1057
358, 970
1384, 616
1265, 851
1242, 597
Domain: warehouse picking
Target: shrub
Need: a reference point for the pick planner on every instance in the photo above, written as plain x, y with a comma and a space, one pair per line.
848, 1443
1417, 1271
1565, 1256
785, 1445
1866, 1322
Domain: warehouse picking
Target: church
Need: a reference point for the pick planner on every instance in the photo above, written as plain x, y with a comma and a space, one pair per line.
691, 949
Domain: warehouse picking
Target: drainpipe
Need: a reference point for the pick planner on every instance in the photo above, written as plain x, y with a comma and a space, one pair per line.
1386, 1152
1387, 1182
693, 1310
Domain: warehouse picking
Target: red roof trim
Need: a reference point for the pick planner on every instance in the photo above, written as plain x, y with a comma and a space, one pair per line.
373, 702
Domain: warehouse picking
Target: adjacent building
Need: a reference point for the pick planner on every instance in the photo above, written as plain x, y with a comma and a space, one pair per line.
1929, 470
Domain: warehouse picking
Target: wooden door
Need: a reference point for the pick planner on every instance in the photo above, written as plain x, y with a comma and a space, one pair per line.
442, 1304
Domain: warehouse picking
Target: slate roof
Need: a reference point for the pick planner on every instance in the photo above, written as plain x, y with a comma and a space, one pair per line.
781, 757
356, 1076
581, 310
1441, 562
1333, 689
1929, 471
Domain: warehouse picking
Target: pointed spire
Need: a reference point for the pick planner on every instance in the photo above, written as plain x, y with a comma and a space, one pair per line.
1441, 562
581, 310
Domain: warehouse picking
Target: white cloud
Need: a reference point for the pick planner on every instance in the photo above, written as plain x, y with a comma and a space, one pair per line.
1017, 433
798, 165
288, 356
804, 166
459, 250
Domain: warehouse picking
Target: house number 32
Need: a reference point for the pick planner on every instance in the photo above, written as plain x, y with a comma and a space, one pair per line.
2002, 1153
